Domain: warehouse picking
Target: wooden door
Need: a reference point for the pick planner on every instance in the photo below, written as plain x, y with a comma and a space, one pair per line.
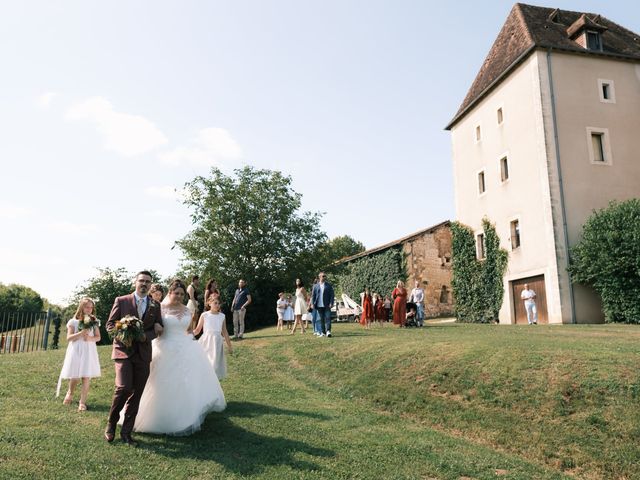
537, 285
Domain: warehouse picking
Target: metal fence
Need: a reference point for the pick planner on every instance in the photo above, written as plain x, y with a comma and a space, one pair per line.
27, 331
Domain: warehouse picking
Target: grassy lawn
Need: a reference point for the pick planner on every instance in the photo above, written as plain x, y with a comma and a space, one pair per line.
447, 401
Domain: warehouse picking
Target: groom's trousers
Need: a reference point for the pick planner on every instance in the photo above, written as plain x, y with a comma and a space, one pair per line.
131, 377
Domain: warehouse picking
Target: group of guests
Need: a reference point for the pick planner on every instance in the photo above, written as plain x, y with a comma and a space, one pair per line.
173, 393
241, 300
315, 307
374, 308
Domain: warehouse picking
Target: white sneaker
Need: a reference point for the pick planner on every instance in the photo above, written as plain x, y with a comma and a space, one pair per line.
328, 334
321, 334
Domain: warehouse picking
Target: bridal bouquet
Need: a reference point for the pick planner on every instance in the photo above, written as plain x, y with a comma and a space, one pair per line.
128, 329
88, 322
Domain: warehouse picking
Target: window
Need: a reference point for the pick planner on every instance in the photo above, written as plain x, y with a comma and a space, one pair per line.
504, 169
444, 295
480, 247
606, 91
478, 133
599, 146
593, 41
500, 117
481, 186
515, 234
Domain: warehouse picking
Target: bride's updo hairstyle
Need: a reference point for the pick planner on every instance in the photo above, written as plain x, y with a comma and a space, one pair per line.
177, 283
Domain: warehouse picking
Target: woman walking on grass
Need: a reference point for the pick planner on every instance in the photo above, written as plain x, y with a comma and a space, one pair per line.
300, 306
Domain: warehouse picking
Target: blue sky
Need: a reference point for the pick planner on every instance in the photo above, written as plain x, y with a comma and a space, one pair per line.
108, 107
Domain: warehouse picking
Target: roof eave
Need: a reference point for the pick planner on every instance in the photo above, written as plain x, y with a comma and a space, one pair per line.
492, 85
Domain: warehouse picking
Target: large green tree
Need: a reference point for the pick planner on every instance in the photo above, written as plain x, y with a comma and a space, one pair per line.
249, 225
608, 258
14, 297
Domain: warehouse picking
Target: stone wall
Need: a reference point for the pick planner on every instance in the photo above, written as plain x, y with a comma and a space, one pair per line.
428, 260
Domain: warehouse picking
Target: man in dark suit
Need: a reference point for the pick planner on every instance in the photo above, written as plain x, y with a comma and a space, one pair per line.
322, 298
132, 364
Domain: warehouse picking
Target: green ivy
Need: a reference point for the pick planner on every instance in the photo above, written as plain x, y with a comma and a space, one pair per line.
379, 272
477, 284
608, 258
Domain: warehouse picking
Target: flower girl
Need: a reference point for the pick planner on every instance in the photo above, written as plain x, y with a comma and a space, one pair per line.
215, 327
81, 360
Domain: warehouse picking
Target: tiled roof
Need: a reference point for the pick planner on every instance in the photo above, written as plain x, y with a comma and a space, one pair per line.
529, 27
431, 229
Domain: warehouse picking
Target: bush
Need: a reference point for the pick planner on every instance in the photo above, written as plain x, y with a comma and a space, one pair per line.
608, 259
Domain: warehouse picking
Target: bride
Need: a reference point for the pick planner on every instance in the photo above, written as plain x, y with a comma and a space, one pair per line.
182, 386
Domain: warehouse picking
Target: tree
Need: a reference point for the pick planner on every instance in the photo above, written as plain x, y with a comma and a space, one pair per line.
608, 258
477, 284
103, 290
14, 297
249, 225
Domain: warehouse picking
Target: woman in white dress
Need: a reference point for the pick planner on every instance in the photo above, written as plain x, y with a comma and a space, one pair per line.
215, 330
182, 387
300, 306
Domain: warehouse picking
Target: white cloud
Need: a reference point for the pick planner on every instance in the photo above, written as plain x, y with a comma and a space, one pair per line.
74, 228
210, 147
166, 191
44, 100
123, 133
10, 211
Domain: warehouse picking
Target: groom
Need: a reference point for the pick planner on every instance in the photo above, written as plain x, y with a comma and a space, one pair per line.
132, 364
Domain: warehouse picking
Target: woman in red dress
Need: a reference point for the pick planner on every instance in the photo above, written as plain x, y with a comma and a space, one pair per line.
399, 304
367, 309
380, 312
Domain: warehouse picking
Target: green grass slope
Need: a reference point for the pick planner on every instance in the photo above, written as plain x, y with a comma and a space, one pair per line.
443, 402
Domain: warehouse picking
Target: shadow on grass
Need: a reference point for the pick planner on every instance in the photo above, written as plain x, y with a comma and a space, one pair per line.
241, 451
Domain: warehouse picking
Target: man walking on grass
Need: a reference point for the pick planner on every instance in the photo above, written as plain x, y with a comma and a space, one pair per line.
322, 298
241, 301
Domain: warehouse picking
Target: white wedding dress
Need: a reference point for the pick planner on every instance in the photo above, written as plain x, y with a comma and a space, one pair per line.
182, 386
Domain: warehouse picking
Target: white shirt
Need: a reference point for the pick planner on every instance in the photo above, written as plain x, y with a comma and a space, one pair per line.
141, 303
528, 296
321, 299
417, 294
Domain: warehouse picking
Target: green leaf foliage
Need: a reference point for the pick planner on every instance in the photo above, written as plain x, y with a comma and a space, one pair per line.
16, 297
379, 272
250, 225
477, 284
608, 258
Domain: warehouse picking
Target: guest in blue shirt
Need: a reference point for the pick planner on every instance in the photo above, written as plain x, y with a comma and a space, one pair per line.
322, 298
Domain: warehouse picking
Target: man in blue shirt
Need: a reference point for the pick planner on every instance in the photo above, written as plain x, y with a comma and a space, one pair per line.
322, 298
241, 300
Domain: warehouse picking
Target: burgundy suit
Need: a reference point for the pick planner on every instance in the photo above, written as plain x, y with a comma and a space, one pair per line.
132, 364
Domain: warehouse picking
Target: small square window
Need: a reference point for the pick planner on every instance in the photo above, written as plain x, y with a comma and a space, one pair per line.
500, 117
481, 185
480, 246
606, 91
515, 234
504, 169
478, 133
